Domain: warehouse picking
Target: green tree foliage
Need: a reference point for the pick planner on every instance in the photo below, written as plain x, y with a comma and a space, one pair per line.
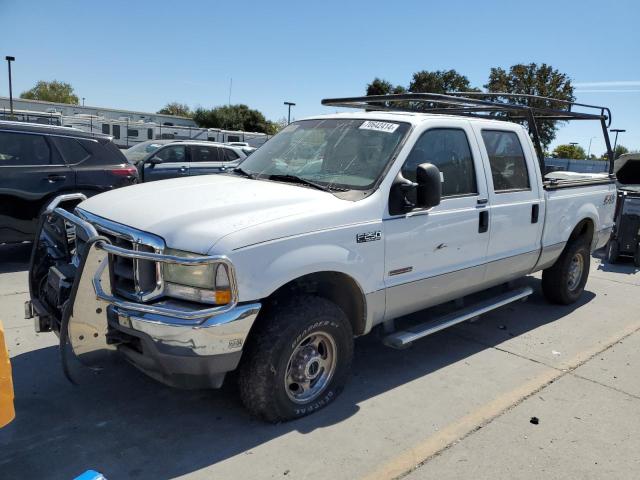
542, 80
440, 81
574, 152
383, 87
234, 117
620, 150
175, 108
53, 91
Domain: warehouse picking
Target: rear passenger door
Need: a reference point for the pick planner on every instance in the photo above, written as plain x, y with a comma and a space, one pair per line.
206, 159
175, 163
31, 172
515, 208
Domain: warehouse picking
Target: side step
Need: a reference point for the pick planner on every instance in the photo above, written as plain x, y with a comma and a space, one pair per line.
404, 338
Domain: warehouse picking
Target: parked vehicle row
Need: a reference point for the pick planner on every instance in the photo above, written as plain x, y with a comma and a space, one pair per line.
40, 162
337, 225
162, 159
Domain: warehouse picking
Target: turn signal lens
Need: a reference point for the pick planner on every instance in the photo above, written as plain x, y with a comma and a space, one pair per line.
223, 297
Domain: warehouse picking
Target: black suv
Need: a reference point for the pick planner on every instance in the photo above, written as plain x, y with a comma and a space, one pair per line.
38, 162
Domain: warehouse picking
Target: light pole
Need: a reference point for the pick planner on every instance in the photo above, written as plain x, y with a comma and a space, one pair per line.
289, 104
615, 142
589, 152
83, 101
10, 59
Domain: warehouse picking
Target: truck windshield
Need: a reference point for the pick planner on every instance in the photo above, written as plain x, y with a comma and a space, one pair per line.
341, 153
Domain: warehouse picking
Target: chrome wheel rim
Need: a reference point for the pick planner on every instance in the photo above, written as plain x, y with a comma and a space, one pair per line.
311, 367
575, 271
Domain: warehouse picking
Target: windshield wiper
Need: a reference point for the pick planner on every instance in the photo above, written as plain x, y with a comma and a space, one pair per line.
243, 173
304, 181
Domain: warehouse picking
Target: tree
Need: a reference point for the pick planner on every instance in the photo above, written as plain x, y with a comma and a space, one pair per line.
54, 91
440, 81
234, 117
175, 108
532, 79
382, 87
620, 150
573, 152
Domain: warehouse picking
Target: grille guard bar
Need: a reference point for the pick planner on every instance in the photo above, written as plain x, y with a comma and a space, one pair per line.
92, 236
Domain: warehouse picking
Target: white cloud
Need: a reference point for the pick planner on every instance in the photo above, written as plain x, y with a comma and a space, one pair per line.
610, 84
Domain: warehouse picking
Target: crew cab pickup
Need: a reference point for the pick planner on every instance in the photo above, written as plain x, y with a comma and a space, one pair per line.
338, 224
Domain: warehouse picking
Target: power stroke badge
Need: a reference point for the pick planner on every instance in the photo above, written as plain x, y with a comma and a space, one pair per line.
368, 236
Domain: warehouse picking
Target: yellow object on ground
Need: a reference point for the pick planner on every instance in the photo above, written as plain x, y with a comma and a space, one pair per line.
6, 386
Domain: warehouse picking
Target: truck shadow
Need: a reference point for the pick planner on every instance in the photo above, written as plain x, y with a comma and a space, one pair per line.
125, 425
14, 257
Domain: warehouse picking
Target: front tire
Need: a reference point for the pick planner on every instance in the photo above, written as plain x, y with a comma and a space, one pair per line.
564, 282
297, 360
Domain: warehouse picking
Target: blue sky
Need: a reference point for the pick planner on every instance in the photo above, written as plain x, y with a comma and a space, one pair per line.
140, 55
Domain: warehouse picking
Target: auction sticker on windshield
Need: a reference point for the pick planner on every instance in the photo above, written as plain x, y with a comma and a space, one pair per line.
379, 126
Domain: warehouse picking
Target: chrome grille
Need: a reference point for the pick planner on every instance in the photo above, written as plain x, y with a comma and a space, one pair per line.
139, 280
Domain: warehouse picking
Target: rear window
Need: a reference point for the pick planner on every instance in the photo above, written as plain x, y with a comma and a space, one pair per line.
230, 155
506, 157
23, 149
71, 150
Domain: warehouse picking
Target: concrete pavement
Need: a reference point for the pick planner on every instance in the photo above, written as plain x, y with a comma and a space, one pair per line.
455, 405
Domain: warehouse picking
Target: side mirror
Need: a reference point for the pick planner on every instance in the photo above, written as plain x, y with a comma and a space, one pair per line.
406, 195
429, 186
154, 160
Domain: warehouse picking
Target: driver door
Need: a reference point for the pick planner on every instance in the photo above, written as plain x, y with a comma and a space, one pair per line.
435, 255
175, 163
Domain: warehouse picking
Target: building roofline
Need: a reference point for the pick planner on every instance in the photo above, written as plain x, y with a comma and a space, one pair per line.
94, 108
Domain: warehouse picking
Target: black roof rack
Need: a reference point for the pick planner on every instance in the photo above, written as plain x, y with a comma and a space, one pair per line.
529, 108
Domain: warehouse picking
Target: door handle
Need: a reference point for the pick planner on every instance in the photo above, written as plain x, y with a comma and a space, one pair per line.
56, 178
535, 212
482, 201
182, 169
483, 225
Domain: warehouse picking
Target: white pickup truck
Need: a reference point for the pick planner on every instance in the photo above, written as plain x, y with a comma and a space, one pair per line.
338, 224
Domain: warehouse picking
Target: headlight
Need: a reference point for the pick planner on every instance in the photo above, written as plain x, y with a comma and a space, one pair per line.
207, 283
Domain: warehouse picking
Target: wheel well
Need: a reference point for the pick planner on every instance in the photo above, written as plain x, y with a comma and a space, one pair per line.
336, 287
584, 229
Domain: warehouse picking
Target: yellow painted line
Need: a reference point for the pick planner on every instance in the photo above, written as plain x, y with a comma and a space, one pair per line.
455, 431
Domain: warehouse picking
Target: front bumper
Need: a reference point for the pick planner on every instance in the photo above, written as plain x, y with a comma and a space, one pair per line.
175, 342
181, 355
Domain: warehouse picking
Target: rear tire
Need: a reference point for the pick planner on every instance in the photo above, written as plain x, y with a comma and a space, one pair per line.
613, 251
564, 282
297, 360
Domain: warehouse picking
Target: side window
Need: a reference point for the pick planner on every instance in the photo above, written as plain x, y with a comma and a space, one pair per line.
204, 154
71, 150
175, 153
230, 155
23, 149
448, 149
116, 131
233, 138
508, 165
131, 132
105, 128
150, 133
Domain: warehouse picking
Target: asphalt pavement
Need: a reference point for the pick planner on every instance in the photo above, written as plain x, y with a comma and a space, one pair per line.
530, 391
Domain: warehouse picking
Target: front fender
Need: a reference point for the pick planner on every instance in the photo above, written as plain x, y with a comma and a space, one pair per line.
263, 269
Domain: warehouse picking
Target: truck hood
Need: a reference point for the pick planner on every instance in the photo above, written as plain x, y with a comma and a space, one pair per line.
193, 214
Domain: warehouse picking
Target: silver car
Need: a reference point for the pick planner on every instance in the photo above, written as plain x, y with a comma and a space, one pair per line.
162, 159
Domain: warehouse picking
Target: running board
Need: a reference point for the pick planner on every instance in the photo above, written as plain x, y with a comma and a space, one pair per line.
404, 338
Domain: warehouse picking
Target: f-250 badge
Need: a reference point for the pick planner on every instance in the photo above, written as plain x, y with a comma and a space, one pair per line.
368, 236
